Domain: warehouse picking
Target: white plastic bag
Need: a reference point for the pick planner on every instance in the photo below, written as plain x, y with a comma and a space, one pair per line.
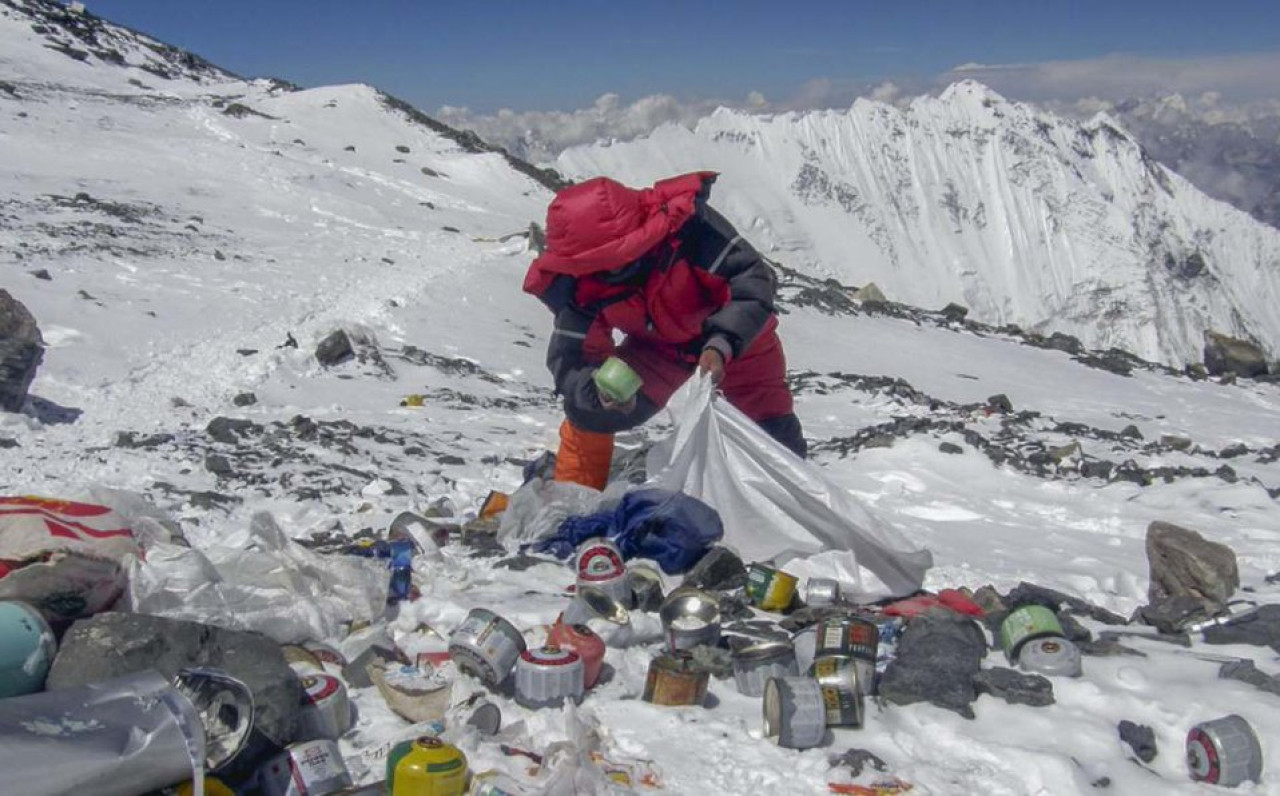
776, 506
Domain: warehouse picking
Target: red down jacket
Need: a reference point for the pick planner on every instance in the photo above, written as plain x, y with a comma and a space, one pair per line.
675, 277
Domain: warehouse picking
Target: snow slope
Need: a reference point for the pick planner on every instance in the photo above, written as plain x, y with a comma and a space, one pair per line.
185, 246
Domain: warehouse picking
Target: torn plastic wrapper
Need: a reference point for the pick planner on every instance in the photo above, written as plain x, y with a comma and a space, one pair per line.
776, 506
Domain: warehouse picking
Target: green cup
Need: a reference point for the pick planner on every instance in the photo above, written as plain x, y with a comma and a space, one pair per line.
617, 381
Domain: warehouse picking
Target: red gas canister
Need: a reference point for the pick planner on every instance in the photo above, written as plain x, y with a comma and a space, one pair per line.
584, 641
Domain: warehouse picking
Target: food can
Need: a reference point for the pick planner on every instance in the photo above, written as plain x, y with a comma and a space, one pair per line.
850, 637
676, 679
584, 641
1024, 624
755, 664
326, 710
1051, 655
794, 712
690, 618
599, 563
486, 646
770, 589
310, 768
426, 766
485, 716
842, 690
1224, 752
27, 648
592, 603
547, 676
805, 643
819, 592
646, 587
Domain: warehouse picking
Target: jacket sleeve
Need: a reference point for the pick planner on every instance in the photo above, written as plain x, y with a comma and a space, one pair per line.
752, 284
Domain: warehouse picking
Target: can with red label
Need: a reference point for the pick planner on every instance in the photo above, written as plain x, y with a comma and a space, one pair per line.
547, 676
584, 641
311, 768
326, 710
1224, 752
426, 767
599, 564
854, 638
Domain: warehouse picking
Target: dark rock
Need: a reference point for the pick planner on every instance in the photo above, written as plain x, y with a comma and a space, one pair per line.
43, 273
521, 562
1014, 687
231, 430
1072, 630
211, 500
218, 464
1140, 738
1096, 468
218, 255
1223, 354
1183, 562
335, 349
1108, 646
1131, 432
1175, 442
21, 351
1232, 451
289, 341
938, 656
950, 447
246, 352
1029, 593
129, 439
808, 615
1261, 629
245, 399
114, 644
719, 569
857, 760
989, 600
1246, 672
1172, 614
954, 313
1000, 403
402, 149
734, 608
1064, 342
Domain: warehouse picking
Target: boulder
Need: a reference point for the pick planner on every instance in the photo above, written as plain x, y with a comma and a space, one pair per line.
954, 313
870, 292
1140, 738
719, 569
1183, 562
1014, 687
938, 656
21, 350
114, 644
1261, 629
1223, 354
335, 349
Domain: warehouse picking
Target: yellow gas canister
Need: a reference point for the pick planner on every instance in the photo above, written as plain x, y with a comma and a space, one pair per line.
426, 767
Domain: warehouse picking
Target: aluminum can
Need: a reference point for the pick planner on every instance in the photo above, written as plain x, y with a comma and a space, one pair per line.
690, 618
27, 647
820, 592
770, 589
805, 643
310, 768
547, 676
854, 638
754, 665
1051, 655
646, 587
1024, 624
486, 646
676, 679
599, 564
794, 713
842, 690
1224, 752
592, 603
426, 767
584, 641
326, 709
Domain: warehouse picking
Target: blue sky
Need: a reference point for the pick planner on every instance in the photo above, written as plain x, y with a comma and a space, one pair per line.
563, 55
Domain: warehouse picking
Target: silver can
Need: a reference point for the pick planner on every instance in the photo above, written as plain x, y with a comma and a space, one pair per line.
794, 716
592, 603
819, 592
547, 676
842, 690
755, 664
1051, 655
310, 768
326, 709
646, 587
1224, 752
486, 646
690, 618
599, 564
854, 638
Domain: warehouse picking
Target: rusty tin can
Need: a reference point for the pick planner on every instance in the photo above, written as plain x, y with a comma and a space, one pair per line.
486, 646
842, 690
676, 679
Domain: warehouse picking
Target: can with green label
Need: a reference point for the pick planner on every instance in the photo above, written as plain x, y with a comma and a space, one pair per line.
770, 589
617, 381
1024, 624
426, 767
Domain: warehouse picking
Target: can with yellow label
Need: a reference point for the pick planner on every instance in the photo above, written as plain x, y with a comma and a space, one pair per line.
426, 766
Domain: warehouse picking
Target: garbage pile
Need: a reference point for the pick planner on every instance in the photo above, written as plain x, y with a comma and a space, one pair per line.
110, 684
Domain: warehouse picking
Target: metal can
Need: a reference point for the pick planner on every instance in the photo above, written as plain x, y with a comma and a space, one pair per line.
329, 658
426, 766
850, 637
770, 589
486, 646
27, 647
592, 603
755, 664
1224, 752
690, 618
301, 660
820, 592
646, 587
584, 641
310, 768
794, 714
842, 690
1024, 624
676, 679
326, 710
547, 676
599, 564
1051, 655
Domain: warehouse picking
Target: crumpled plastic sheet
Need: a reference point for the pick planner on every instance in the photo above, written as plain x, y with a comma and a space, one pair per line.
272, 585
539, 507
776, 506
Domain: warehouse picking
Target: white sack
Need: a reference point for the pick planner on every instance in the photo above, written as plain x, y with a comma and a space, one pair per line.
776, 506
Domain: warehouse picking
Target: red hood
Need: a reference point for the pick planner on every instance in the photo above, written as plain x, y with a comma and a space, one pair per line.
601, 224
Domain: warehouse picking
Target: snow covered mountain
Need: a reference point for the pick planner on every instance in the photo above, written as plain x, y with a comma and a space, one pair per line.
185, 239
1024, 217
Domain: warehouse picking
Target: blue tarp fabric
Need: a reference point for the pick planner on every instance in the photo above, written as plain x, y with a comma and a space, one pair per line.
672, 528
